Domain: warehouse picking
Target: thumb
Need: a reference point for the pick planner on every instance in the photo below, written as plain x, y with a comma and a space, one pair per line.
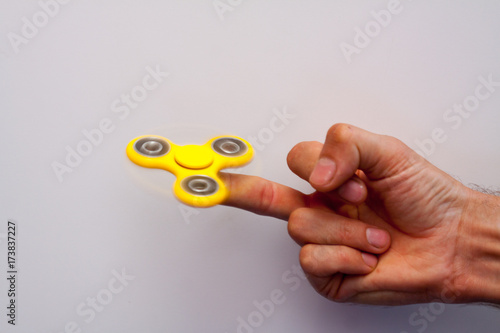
348, 148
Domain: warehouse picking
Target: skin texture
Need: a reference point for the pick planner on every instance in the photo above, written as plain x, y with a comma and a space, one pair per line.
383, 225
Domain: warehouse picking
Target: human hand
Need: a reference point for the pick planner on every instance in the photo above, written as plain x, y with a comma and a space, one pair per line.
384, 225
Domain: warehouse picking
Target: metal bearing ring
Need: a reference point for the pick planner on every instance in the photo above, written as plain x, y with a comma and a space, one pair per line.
229, 147
152, 147
200, 185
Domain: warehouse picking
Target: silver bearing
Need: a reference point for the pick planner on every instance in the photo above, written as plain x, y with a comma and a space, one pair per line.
200, 185
229, 147
152, 147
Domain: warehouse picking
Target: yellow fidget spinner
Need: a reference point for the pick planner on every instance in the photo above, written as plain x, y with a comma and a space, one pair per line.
196, 167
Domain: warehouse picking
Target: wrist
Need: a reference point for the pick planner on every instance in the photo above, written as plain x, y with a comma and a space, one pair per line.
477, 265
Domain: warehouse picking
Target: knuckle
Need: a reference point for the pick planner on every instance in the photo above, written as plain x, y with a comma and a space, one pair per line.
299, 150
340, 133
342, 258
343, 235
401, 152
267, 196
307, 259
336, 297
396, 145
296, 224
294, 152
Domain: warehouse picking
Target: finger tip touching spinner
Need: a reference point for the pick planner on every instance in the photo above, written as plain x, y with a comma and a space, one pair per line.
196, 167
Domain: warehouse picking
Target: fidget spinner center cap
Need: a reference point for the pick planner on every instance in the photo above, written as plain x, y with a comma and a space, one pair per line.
194, 157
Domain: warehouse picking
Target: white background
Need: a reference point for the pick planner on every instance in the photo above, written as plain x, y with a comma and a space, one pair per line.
201, 270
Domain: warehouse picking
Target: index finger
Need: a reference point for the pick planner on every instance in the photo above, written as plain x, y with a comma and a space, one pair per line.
262, 196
